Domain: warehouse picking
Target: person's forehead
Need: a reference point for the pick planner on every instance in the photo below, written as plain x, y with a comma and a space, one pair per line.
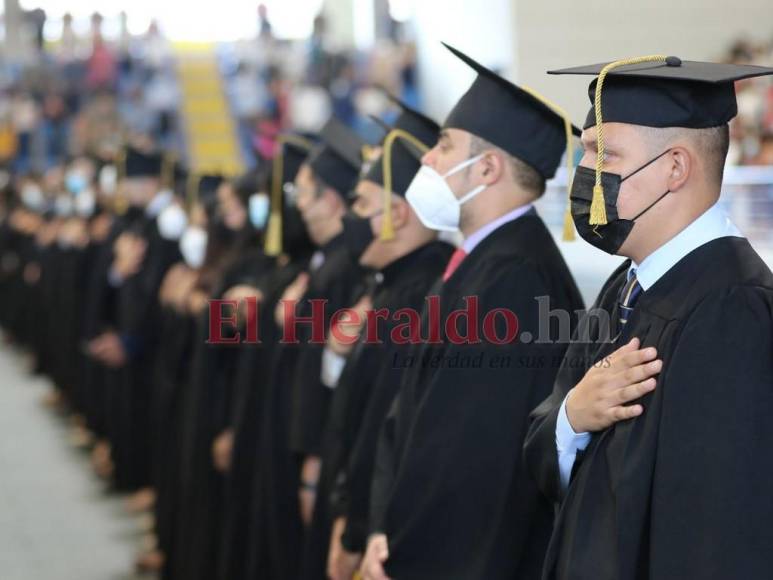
618, 133
456, 135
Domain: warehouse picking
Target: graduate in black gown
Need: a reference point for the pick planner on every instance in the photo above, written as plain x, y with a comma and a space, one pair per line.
407, 262
206, 397
655, 441
140, 260
183, 290
99, 294
451, 498
287, 242
296, 401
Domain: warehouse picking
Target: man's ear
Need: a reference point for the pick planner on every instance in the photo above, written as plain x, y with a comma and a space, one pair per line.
334, 199
492, 167
682, 162
400, 212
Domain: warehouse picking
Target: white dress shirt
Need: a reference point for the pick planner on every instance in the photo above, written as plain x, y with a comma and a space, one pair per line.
471, 241
711, 225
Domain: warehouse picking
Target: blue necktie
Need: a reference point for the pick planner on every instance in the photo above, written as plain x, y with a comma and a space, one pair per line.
628, 295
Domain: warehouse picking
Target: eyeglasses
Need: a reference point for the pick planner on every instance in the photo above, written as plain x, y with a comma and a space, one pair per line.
292, 192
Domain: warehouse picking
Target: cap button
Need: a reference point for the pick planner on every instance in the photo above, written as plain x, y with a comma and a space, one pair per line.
673, 61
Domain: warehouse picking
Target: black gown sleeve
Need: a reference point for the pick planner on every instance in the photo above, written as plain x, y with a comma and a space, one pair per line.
384, 469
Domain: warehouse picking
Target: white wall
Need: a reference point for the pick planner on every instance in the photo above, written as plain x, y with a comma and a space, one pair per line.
560, 33
485, 34
525, 38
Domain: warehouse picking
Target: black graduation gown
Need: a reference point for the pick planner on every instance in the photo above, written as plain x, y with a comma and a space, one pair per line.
293, 414
450, 491
9, 264
250, 383
683, 491
65, 323
207, 402
21, 295
169, 377
98, 316
136, 321
360, 402
40, 309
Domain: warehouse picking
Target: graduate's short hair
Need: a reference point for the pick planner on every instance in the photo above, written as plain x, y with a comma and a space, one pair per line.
527, 178
712, 144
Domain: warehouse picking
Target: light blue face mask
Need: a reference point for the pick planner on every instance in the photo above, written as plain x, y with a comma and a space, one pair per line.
258, 210
75, 182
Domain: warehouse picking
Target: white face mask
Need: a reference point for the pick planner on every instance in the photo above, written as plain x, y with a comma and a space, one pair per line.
193, 246
434, 202
159, 203
32, 197
258, 210
172, 222
75, 181
108, 180
85, 203
63, 205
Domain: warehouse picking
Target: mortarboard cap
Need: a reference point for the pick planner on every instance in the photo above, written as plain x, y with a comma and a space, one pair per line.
511, 118
203, 188
405, 155
667, 91
411, 136
337, 159
141, 164
292, 151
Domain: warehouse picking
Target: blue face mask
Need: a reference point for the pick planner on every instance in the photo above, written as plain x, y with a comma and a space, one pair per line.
75, 182
258, 210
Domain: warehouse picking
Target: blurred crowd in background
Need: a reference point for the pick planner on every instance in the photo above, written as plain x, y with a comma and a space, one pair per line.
89, 92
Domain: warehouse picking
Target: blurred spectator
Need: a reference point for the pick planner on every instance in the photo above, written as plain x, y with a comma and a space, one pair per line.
24, 119
101, 68
55, 127
264, 25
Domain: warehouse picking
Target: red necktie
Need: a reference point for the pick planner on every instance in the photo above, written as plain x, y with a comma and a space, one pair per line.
453, 263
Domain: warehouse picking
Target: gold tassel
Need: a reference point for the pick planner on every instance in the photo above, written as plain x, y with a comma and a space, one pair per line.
272, 245
120, 202
568, 235
598, 211
387, 225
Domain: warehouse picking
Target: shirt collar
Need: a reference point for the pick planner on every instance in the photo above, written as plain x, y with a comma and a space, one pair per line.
471, 241
711, 225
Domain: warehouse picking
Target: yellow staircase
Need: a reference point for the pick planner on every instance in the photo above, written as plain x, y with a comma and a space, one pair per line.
210, 131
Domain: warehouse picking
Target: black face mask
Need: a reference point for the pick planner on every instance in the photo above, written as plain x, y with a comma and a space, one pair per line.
611, 236
357, 233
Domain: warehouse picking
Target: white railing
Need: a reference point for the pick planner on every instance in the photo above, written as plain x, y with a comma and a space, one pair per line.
747, 196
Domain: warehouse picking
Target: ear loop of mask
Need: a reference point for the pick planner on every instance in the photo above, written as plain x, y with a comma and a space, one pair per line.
650, 162
457, 169
387, 227
463, 165
650, 206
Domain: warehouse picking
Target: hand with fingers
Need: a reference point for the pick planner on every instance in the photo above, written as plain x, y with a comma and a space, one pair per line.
375, 556
601, 398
